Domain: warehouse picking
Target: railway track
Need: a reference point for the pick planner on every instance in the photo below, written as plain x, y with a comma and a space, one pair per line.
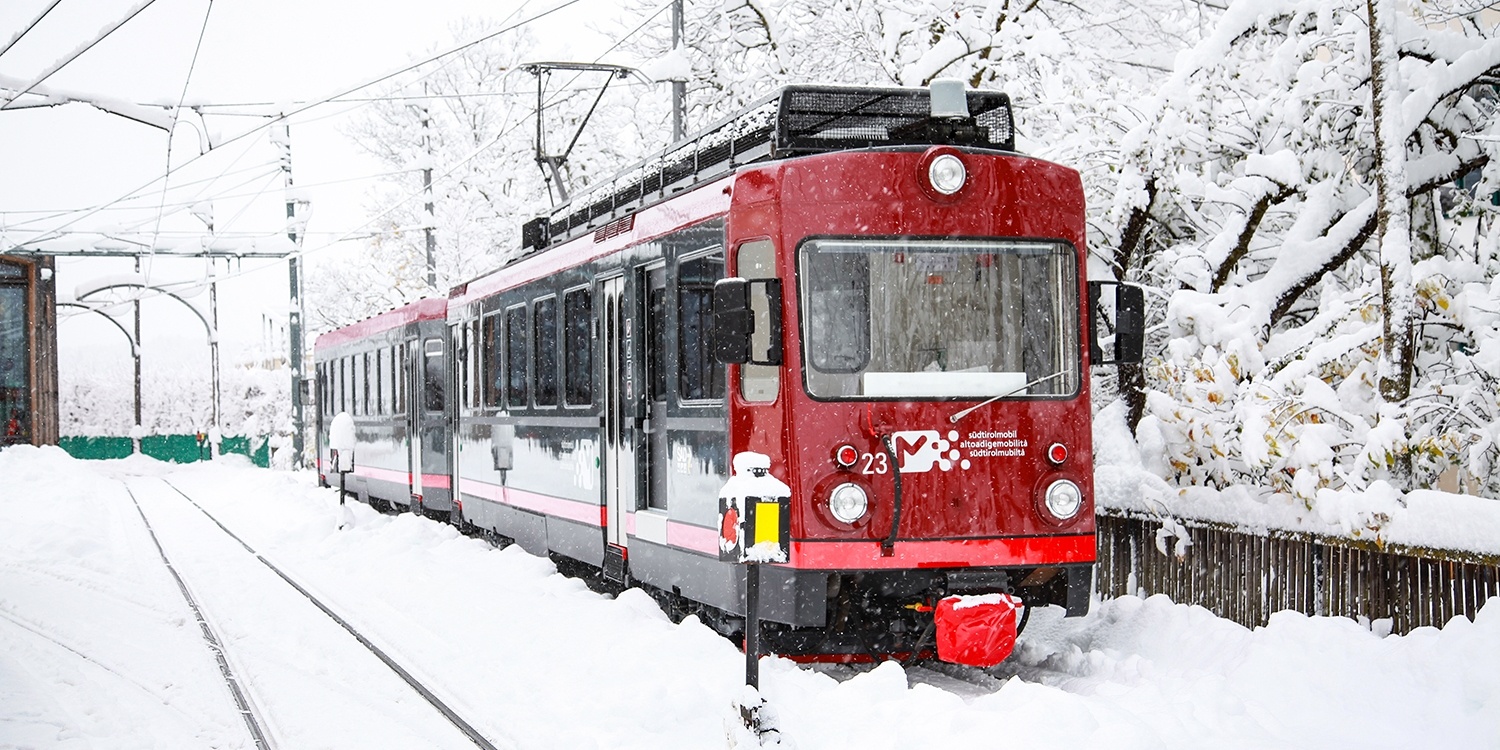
259, 720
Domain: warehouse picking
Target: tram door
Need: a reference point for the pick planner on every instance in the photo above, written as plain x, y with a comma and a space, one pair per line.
618, 452
415, 366
653, 356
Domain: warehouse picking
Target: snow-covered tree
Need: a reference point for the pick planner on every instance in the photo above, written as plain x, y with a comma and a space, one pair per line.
1249, 199
467, 121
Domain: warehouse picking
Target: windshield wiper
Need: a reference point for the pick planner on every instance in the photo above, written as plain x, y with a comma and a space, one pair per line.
966, 412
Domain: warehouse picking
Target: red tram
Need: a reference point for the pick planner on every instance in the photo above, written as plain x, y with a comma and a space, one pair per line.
899, 299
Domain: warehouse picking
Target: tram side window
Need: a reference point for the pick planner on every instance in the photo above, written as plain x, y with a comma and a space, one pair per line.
458, 334
578, 348
358, 376
341, 385
699, 377
756, 260
473, 392
432, 375
364, 383
398, 379
388, 393
656, 328
354, 392
491, 353
378, 395
544, 335
345, 404
515, 356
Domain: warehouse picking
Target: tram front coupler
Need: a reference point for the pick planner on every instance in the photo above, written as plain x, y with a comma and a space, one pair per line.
977, 631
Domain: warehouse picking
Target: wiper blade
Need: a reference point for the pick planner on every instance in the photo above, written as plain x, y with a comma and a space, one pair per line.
966, 412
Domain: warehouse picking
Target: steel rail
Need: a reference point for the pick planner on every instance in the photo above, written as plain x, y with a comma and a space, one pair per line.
241, 699
452, 716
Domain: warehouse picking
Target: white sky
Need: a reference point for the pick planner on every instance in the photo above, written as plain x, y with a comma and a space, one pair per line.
285, 51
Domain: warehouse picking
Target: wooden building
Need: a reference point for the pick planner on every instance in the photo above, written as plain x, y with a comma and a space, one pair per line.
28, 351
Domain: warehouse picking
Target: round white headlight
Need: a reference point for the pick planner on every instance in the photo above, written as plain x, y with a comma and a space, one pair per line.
848, 502
947, 174
1064, 499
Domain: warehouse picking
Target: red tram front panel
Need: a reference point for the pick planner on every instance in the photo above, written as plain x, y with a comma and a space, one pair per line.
903, 309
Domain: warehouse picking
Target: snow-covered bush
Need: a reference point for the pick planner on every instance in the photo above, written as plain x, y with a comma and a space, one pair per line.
1248, 199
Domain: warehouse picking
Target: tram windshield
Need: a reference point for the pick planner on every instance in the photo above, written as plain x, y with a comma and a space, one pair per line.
939, 318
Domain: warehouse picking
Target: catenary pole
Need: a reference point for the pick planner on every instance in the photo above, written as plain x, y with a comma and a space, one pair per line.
294, 312
428, 219
679, 88
136, 343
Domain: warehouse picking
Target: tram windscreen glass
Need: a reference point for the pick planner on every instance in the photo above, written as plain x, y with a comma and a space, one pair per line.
939, 318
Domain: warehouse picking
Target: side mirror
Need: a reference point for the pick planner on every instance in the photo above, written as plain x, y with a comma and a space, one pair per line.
1130, 323
739, 304
733, 321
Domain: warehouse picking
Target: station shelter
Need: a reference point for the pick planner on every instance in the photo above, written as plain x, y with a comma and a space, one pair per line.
28, 351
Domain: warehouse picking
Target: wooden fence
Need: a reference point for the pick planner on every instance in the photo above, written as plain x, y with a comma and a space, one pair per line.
1245, 576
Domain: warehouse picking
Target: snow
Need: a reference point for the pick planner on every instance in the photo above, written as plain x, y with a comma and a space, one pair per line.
99, 650
1126, 480
675, 65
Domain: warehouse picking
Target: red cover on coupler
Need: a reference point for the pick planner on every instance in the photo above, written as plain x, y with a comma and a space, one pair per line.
979, 631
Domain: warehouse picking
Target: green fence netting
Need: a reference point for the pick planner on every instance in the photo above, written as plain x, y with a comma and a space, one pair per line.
181, 449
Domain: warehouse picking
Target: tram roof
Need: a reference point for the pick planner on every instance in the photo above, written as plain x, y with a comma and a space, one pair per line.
793, 121
432, 308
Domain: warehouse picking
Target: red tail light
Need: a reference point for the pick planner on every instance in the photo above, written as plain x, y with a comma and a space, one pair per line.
1058, 453
845, 456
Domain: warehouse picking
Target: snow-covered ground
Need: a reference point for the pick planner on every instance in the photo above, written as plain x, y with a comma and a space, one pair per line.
99, 650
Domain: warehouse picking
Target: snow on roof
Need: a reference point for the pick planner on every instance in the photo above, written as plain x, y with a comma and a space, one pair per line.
434, 308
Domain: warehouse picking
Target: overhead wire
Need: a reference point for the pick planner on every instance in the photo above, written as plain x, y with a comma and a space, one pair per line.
304, 107
359, 230
304, 252
29, 27
187, 80
273, 169
64, 62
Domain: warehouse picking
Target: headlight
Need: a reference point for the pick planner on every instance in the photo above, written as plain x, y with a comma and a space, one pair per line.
947, 174
1064, 499
848, 502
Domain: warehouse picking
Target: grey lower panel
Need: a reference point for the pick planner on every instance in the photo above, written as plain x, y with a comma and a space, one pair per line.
382, 489
787, 596
527, 529
437, 500
579, 541
536, 533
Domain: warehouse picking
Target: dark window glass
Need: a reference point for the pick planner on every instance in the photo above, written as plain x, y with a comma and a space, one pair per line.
493, 382
475, 362
357, 375
544, 334
698, 375
656, 329
432, 375
939, 318
578, 348
378, 398
515, 356
402, 373
15, 360
364, 383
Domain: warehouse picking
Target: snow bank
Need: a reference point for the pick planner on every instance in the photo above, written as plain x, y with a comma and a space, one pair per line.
1422, 518
96, 650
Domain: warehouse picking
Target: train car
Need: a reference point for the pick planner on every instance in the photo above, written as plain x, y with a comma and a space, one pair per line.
391, 374
911, 355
